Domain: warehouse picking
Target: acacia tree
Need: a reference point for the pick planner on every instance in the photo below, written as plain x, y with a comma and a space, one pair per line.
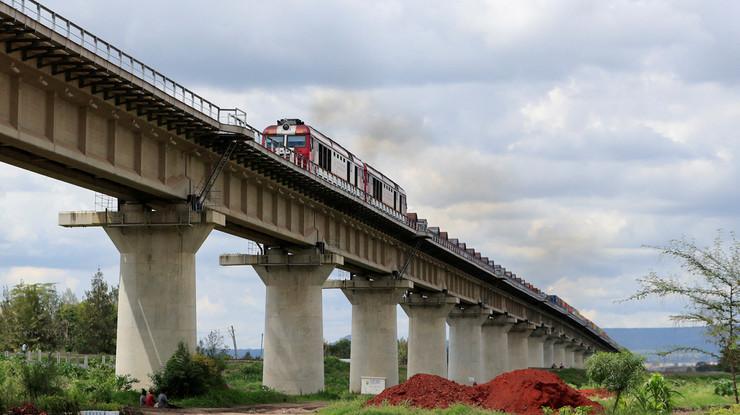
712, 290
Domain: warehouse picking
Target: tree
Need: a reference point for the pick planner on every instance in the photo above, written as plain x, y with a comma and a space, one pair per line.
98, 315
403, 351
616, 372
340, 348
712, 291
29, 314
212, 345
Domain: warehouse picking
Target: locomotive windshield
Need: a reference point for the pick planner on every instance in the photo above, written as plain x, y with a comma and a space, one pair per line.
296, 141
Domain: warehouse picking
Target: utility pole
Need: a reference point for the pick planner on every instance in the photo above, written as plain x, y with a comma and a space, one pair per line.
233, 340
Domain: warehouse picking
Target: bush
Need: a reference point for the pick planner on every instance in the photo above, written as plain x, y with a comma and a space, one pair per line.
733, 410
723, 387
656, 395
189, 375
58, 405
617, 372
99, 382
40, 378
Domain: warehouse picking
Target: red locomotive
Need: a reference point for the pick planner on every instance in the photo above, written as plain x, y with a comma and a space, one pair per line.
308, 146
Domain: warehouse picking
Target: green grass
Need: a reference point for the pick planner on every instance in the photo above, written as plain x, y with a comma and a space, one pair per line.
697, 390
576, 377
356, 407
222, 398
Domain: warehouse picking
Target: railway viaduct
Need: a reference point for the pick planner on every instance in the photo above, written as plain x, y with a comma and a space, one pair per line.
77, 109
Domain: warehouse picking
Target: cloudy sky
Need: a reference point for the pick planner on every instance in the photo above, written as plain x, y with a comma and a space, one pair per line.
558, 138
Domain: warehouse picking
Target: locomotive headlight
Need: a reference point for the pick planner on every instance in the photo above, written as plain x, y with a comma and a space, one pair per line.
286, 127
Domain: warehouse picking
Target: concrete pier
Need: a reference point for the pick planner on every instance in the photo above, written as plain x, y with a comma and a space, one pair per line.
465, 343
374, 350
294, 336
536, 345
570, 354
548, 351
519, 345
427, 332
558, 351
156, 293
495, 347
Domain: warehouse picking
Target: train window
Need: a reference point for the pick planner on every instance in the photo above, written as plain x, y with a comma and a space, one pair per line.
275, 141
295, 141
377, 189
355, 175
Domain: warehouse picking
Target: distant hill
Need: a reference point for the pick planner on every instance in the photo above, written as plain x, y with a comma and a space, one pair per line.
649, 341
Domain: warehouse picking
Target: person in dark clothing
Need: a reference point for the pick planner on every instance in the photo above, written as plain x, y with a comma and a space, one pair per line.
142, 397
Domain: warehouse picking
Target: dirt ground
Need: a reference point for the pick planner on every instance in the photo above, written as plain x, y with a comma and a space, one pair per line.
266, 409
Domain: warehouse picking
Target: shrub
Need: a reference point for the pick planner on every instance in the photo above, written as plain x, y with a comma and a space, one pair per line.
655, 395
39, 378
58, 405
616, 372
723, 387
733, 410
99, 382
188, 375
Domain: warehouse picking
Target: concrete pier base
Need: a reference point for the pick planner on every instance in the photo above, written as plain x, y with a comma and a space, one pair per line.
427, 332
294, 336
156, 293
495, 347
536, 345
519, 345
465, 343
374, 350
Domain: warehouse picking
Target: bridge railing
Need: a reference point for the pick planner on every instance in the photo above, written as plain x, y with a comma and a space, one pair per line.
112, 54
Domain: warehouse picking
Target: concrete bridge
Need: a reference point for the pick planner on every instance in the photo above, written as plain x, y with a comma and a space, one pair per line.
78, 109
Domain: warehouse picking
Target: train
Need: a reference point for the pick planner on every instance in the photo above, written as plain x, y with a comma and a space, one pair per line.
312, 147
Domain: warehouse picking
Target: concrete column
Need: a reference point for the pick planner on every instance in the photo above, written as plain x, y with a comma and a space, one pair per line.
427, 332
374, 350
519, 345
558, 352
495, 347
569, 355
548, 351
465, 341
536, 344
294, 337
578, 359
156, 293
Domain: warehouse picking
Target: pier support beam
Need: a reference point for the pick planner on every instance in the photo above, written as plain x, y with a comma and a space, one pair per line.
495, 347
427, 332
578, 357
519, 345
374, 350
465, 343
156, 293
294, 336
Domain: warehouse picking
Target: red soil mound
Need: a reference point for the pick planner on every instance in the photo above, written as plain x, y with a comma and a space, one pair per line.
522, 392
427, 391
526, 391
596, 393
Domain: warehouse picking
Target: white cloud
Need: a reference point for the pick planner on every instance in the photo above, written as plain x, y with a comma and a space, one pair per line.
62, 278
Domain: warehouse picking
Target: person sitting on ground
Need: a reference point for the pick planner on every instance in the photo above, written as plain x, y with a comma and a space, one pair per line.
562, 366
162, 401
150, 398
142, 397
554, 366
